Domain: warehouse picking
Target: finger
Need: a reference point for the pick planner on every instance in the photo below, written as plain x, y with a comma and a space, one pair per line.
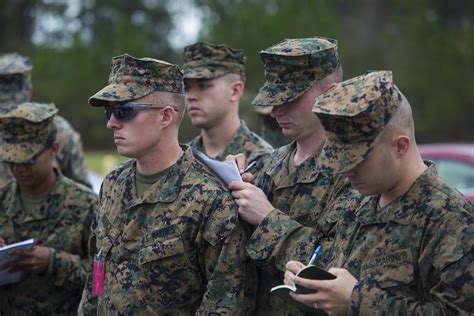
318, 285
237, 185
288, 280
241, 162
247, 177
294, 266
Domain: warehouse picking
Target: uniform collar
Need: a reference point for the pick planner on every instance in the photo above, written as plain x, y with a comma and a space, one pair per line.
403, 208
306, 172
166, 190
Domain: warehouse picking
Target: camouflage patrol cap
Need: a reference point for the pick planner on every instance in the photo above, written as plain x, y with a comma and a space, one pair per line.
354, 114
132, 78
25, 129
293, 66
208, 61
15, 79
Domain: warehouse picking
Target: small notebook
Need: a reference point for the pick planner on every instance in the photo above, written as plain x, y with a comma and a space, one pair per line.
226, 170
308, 272
5, 276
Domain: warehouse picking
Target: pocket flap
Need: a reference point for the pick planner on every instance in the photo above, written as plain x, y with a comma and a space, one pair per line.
161, 249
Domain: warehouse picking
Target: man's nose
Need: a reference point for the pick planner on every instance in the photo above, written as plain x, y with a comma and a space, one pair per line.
113, 123
277, 111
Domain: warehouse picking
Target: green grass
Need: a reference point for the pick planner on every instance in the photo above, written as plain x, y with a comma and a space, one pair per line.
103, 162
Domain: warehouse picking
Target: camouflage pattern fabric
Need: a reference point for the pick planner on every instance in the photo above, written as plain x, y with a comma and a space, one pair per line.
15, 88
413, 256
354, 113
245, 141
299, 197
132, 78
24, 130
63, 225
176, 250
292, 67
208, 61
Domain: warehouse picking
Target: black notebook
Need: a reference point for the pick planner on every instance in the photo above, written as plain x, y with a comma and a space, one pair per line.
308, 272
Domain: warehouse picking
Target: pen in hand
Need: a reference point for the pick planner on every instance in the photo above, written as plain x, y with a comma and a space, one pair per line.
250, 166
314, 256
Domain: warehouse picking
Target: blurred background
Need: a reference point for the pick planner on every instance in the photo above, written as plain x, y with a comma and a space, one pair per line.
428, 44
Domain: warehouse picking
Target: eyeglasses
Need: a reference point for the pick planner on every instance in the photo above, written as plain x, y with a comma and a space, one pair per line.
126, 111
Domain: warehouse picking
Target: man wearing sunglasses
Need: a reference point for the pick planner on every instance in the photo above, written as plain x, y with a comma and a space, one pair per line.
41, 203
166, 230
16, 88
214, 76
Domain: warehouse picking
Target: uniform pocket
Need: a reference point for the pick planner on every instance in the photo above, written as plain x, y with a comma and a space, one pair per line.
390, 269
161, 249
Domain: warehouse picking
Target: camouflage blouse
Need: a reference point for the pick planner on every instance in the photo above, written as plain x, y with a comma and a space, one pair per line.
63, 224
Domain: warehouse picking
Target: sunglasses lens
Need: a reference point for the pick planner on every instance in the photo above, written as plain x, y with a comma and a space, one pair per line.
121, 112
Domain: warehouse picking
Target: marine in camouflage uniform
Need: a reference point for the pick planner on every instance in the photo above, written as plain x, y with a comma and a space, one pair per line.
178, 247
15, 88
412, 254
299, 192
58, 218
208, 68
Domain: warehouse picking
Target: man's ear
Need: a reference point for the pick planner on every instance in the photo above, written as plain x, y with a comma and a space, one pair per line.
237, 89
55, 147
401, 143
167, 115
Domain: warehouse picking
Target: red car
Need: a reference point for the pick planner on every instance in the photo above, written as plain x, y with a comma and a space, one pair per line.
455, 163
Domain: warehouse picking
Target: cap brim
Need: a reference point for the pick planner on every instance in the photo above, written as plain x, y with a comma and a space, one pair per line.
338, 157
19, 152
203, 73
264, 110
119, 93
272, 94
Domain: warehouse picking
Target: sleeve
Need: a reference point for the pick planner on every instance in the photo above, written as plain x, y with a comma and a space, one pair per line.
279, 238
447, 269
70, 269
229, 272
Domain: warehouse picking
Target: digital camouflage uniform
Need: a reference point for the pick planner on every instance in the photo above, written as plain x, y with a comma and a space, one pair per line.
15, 88
297, 192
245, 141
414, 255
179, 248
209, 61
62, 223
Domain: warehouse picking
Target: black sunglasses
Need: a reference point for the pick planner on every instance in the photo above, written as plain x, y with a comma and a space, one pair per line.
126, 111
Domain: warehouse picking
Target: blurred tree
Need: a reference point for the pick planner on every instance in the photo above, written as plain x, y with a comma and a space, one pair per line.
72, 47
426, 43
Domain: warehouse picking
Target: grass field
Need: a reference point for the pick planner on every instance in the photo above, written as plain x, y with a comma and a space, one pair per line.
103, 162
